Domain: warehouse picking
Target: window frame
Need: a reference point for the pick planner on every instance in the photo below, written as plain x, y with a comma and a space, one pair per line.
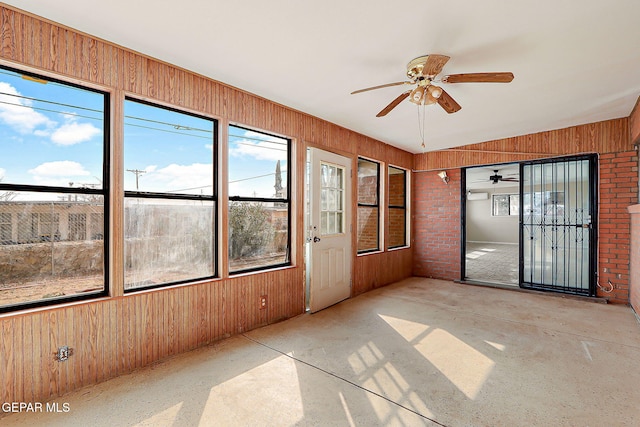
404, 207
180, 196
379, 239
510, 203
103, 192
286, 200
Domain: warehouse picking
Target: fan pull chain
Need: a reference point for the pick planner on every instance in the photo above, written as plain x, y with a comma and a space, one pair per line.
422, 123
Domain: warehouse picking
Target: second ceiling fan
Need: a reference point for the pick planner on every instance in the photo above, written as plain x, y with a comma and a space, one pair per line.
422, 72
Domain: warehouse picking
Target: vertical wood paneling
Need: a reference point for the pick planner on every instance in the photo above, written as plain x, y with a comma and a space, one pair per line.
18, 362
121, 333
34, 381
634, 124
609, 136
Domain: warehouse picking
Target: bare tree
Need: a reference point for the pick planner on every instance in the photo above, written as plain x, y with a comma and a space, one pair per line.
249, 229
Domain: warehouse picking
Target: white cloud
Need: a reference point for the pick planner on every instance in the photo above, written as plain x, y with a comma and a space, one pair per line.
270, 148
17, 112
2, 173
73, 132
196, 178
59, 173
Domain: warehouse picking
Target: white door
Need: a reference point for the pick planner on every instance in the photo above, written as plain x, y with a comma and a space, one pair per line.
329, 229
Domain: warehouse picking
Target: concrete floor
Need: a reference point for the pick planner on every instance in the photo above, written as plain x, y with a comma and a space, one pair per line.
419, 352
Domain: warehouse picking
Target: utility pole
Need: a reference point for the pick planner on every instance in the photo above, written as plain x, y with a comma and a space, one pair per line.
138, 172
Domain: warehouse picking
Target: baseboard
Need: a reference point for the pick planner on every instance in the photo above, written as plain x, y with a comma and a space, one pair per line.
635, 313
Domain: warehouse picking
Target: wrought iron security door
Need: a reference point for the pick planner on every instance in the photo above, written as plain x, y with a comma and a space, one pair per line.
558, 225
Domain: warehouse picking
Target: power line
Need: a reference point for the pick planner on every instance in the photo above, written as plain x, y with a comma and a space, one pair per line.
168, 131
257, 146
51, 111
50, 102
254, 177
174, 125
258, 139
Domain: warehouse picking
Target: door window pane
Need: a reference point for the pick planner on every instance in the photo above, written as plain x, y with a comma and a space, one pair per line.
332, 200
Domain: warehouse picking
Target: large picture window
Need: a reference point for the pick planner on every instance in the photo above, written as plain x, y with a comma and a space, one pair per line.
170, 196
259, 200
53, 173
397, 191
368, 206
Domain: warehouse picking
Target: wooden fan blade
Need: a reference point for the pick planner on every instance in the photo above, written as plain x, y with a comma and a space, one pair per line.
434, 65
393, 104
478, 78
381, 86
448, 103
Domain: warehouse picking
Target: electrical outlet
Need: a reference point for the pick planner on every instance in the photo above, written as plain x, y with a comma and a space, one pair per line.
263, 302
63, 353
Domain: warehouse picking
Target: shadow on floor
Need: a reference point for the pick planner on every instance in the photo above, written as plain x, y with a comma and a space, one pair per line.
418, 352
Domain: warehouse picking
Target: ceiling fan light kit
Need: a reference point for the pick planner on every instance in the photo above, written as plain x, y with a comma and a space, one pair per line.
422, 72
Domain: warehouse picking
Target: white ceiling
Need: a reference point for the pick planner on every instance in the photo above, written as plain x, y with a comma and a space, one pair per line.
478, 178
574, 61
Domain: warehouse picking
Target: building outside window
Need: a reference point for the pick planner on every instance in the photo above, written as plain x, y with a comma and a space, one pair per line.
397, 193
368, 206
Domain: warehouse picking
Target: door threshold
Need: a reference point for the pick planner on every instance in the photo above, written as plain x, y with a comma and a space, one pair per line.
532, 291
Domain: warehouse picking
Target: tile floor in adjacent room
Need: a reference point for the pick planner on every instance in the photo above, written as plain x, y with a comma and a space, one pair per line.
418, 352
492, 263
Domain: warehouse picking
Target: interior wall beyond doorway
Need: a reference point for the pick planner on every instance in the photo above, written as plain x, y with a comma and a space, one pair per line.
482, 226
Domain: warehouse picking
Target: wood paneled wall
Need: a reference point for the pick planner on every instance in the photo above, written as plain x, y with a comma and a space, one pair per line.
634, 124
115, 335
610, 136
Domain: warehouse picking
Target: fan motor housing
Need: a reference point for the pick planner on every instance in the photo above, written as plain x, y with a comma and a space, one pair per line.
415, 66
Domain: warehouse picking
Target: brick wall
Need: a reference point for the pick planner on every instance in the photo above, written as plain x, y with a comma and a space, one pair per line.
436, 225
368, 217
618, 190
396, 185
437, 232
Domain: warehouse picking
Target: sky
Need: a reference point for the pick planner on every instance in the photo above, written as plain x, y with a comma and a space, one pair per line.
51, 134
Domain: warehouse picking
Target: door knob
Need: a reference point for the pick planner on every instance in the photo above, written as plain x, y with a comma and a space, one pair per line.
316, 239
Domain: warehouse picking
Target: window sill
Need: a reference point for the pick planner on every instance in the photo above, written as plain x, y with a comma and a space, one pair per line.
399, 248
254, 272
370, 253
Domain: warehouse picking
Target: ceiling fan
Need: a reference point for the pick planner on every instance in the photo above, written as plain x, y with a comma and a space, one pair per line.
497, 178
422, 72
